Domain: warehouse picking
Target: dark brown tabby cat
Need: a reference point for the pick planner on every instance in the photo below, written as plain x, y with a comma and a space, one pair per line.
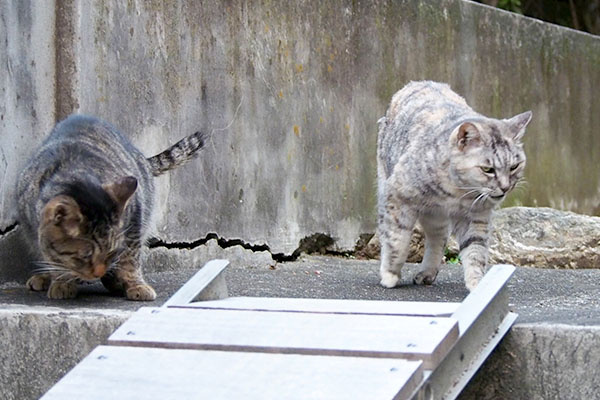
85, 200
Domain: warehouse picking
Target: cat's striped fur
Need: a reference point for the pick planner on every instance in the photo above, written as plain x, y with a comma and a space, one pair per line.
446, 166
85, 201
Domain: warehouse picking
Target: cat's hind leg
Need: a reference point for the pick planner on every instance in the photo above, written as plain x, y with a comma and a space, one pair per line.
395, 230
436, 236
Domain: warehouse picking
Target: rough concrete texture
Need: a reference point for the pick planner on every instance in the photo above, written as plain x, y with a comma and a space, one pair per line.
291, 93
27, 90
38, 345
549, 353
540, 362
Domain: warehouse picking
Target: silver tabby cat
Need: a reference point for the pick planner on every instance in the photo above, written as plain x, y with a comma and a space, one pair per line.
446, 166
85, 200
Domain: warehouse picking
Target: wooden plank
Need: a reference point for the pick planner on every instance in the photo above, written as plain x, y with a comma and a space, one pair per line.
208, 284
413, 338
331, 306
481, 356
480, 298
484, 318
147, 373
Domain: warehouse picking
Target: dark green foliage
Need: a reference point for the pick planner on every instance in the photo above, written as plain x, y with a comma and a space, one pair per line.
582, 15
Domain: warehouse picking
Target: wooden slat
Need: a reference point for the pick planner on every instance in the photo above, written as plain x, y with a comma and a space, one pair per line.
145, 373
331, 306
421, 338
208, 279
483, 319
483, 295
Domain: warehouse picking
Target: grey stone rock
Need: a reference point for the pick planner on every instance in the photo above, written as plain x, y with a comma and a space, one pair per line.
545, 238
417, 247
416, 250
529, 237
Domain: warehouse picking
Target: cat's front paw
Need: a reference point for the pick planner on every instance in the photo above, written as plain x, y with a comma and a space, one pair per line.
389, 279
472, 279
62, 290
141, 292
425, 277
38, 283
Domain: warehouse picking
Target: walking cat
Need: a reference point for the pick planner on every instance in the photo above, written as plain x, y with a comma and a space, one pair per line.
446, 166
85, 201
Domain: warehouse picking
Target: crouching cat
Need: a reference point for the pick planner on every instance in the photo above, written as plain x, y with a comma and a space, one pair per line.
446, 166
85, 200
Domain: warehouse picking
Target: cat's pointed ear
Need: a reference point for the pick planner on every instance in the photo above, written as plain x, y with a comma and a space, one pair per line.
466, 135
63, 212
121, 190
517, 124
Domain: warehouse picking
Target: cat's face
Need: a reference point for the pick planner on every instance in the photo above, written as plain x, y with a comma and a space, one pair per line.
82, 237
488, 159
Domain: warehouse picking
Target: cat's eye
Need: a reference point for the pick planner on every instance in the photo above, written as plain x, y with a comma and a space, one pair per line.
86, 254
514, 167
488, 170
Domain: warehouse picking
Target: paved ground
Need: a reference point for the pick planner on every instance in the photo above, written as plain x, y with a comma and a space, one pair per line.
552, 296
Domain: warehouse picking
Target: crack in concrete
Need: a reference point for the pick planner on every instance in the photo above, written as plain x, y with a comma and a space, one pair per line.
8, 229
318, 243
224, 244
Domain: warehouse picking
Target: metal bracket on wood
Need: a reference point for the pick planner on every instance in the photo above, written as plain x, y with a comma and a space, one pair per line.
207, 284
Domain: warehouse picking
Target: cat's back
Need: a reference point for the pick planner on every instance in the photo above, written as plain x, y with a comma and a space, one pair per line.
82, 131
87, 145
420, 116
420, 106
425, 96
78, 147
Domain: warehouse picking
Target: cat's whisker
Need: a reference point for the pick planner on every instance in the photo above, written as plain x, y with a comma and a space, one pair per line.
477, 190
469, 187
483, 196
40, 271
46, 267
48, 263
123, 232
64, 277
522, 185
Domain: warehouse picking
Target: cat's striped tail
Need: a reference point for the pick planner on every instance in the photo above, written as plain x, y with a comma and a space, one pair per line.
177, 154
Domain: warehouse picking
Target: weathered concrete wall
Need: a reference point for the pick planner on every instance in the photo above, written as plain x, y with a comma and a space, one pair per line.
538, 362
291, 92
27, 87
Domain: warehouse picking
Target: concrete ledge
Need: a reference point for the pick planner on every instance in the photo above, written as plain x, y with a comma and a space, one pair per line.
41, 344
534, 361
539, 361
550, 353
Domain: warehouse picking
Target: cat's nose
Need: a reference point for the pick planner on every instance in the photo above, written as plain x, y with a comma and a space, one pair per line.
99, 270
504, 185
